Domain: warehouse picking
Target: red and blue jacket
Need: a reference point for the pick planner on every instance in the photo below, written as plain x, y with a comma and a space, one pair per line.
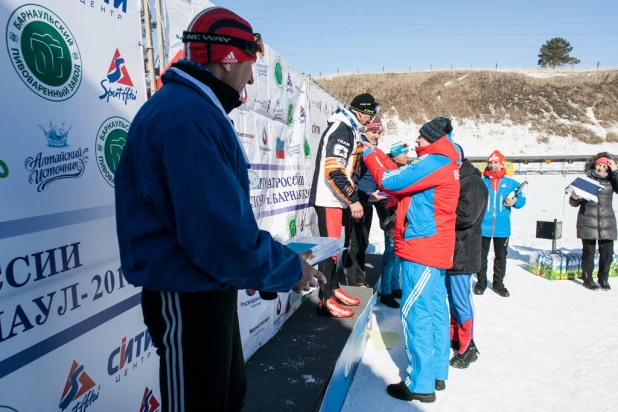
497, 219
428, 191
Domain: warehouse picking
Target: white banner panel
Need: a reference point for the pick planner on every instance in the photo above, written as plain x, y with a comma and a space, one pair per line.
176, 16
73, 78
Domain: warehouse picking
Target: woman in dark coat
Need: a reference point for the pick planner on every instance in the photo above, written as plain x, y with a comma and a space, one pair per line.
597, 221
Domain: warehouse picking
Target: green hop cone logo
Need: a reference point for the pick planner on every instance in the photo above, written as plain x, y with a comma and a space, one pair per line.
110, 141
306, 148
44, 52
292, 226
113, 148
4, 170
278, 71
290, 114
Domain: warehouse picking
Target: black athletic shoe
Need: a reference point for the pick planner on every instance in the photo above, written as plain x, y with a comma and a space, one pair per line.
479, 290
389, 301
397, 293
604, 285
463, 360
502, 291
401, 391
589, 283
440, 385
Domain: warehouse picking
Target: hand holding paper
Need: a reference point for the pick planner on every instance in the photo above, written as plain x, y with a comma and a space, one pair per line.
585, 187
311, 276
377, 196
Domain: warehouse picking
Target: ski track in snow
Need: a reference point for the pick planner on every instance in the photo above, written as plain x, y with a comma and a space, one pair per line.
550, 346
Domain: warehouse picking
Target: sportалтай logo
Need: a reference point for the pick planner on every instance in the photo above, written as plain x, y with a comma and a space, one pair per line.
149, 402
117, 75
78, 384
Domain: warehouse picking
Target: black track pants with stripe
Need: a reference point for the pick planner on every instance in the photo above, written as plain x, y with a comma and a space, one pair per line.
198, 342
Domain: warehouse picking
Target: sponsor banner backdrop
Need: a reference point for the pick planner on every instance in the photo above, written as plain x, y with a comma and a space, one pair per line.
66, 312
73, 78
176, 15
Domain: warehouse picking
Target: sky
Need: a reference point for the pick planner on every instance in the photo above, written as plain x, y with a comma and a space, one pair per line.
322, 37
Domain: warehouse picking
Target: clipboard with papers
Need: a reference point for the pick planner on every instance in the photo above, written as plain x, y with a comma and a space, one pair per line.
585, 188
321, 247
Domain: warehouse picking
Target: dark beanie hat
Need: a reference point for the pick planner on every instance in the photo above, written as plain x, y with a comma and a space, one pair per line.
365, 103
435, 129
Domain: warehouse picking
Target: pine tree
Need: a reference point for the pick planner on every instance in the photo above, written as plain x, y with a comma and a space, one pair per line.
555, 52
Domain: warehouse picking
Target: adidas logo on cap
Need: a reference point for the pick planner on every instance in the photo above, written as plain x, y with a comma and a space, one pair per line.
230, 58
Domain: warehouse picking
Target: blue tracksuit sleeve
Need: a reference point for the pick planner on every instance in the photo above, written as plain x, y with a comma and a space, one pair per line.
213, 218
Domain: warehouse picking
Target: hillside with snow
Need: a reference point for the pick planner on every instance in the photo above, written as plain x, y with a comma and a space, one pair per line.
534, 112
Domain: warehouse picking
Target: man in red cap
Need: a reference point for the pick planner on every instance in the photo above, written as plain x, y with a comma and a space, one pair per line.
334, 192
186, 230
503, 195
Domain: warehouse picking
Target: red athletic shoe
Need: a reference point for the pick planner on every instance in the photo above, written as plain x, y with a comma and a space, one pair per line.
345, 298
332, 308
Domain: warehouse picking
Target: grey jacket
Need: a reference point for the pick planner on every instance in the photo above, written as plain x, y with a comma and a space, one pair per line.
597, 220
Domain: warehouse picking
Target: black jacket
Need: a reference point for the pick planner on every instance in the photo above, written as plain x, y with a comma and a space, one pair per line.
597, 220
470, 211
386, 215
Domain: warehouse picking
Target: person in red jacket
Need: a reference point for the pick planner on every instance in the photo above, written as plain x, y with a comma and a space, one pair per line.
425, 241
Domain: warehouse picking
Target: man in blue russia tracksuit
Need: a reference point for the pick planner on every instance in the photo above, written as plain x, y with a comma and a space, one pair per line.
424, 240
497, 221
186, 229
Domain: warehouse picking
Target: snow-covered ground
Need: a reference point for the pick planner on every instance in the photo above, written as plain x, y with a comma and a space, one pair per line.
550, 346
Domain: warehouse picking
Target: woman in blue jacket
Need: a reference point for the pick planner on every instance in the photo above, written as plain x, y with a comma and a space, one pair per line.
497, 221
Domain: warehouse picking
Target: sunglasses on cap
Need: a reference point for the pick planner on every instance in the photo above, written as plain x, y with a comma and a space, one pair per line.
375, 110
248, 46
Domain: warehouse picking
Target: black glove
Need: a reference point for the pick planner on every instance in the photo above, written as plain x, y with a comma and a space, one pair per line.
269, 295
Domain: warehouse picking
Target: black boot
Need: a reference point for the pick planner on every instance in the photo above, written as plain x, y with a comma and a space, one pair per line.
401, 391
479, 289
502, 291
397, 293
589, 283
389, 301
604, 285
440, 385
463, 360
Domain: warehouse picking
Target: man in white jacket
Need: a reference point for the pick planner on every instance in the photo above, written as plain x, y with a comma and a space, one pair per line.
334, 191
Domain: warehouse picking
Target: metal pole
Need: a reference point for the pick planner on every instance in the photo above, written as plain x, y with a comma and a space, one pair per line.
148, 46
553, 242
160, 39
